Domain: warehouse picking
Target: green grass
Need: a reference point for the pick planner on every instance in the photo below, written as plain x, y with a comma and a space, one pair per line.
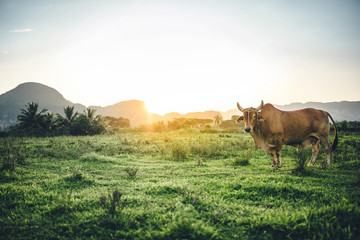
175, 185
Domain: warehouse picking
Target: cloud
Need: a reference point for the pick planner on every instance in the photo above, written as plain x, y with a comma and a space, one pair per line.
4, 52
21, 30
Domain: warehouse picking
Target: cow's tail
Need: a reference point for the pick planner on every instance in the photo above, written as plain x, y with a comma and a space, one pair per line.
335, 142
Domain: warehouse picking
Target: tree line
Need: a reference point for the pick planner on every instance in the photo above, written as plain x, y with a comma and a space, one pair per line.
194, 123
34, 122
348, 126
41, 123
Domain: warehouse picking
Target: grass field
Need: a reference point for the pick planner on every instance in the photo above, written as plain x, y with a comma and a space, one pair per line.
174, 185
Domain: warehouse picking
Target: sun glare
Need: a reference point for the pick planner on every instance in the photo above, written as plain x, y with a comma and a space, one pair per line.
154, 106
170, 71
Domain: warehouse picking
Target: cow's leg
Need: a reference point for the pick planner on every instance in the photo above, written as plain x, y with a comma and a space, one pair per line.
325, 144
273, 154
278, 156
315, 151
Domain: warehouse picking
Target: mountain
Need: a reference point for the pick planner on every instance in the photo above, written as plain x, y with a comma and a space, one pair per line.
173, 115
228, 114
134, 110
340, 111
48, 98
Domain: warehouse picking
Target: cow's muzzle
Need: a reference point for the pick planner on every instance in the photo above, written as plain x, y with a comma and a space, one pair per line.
247, 129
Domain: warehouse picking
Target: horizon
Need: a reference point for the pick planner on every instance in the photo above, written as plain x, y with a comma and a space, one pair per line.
174, 111
187, 56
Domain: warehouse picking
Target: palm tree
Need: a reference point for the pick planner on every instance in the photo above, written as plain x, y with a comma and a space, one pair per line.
90, 114
218, 119
49, 121
30, 118
70, 116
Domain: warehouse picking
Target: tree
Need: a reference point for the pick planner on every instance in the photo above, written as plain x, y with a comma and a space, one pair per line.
117, 122
159, 126
70, 116
81, 126
218, 119
235, 118
231, 124
31, 120
64, 123
87, 124
49, 122
90, 114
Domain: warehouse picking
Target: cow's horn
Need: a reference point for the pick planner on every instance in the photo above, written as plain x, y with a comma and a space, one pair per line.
260, 106
240, 108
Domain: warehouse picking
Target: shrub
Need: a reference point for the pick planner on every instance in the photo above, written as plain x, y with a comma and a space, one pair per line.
62, 203
185, 226
11, 153
113, 204
243, 158
300, 156
131, 171
179, 152
199, 161
77, 175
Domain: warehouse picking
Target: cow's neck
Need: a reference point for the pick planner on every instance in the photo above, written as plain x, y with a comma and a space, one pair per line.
258, 139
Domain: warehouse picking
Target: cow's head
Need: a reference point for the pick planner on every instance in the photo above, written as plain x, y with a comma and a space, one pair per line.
251, 117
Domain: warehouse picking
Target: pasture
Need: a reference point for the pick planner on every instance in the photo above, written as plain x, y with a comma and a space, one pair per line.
184, 184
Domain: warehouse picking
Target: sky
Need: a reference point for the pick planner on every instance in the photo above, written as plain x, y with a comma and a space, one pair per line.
184, 55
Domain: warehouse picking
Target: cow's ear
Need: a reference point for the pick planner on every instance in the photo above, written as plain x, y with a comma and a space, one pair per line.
260, 117
240, 119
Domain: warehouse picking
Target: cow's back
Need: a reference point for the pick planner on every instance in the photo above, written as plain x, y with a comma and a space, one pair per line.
293, 127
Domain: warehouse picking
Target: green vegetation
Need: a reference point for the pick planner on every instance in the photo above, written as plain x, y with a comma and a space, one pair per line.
32, 122
176, 124
184, 184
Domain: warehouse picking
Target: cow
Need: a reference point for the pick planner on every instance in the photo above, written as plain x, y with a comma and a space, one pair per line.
272, 128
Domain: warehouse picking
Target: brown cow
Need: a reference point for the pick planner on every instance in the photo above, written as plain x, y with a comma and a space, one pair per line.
271, 128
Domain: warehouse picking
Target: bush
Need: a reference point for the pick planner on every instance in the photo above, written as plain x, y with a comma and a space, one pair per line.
300, 156
113, 204
131, 171
11, 153
179, 152
185, 226
346, 150
243, 158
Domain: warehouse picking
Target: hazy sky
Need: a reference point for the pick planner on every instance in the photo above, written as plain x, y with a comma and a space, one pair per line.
183, 55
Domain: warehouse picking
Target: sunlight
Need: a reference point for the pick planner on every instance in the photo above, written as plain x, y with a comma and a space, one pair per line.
162, 106
170, 71
155, 106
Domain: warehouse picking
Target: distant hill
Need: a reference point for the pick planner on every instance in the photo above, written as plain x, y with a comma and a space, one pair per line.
134, 110
48, 98
173, 115
228, 114
340, 111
